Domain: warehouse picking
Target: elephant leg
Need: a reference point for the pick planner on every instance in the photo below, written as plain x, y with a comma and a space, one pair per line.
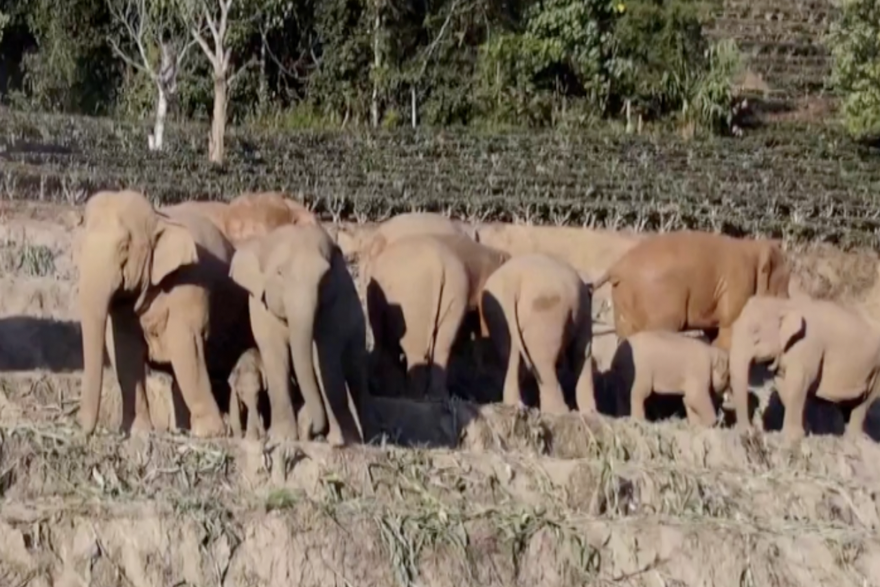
235, 413
255, 429
128, 356
342, 426
793, 393
354, 365
581, 354
699, 406
270, 334
187, 349
723, 340
544, 347
856, 426
639, 393
512, 395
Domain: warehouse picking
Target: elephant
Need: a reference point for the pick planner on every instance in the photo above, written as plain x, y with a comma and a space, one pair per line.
815, 348
536, 308
301, 292
669, 363
154, 287
686, 280
246, 382
251, 214
420, 291
410, 224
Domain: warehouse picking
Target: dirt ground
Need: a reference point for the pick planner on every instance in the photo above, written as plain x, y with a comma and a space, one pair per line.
447, 493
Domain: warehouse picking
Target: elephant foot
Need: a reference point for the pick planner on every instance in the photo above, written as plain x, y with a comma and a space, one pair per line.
207, 426
142, 426
335, 438
283, 431
792, 437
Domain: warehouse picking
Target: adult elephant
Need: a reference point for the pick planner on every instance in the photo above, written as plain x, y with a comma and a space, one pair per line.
250, 215
154, 288
688, 280
302, 296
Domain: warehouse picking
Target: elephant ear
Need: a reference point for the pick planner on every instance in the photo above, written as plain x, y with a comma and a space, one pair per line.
790, 324
174, 248
245, 270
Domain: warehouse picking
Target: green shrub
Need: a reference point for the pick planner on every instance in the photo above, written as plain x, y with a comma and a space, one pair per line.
649, 54
854, 40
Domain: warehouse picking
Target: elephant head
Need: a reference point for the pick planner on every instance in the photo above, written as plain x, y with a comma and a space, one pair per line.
773, 271
285, 278
127, 249
762, 332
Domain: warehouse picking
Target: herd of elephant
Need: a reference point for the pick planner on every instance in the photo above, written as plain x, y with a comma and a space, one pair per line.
231, 296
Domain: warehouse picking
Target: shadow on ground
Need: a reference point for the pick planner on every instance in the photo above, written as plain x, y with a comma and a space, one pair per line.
29, 343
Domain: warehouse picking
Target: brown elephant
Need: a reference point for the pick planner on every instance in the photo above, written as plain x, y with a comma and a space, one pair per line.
536, 308
688, 280
669, 363
246, 382
154, 287
816, 348
301, 292
251, 214
419, 293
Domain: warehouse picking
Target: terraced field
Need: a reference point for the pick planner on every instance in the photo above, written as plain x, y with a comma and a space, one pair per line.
445, 494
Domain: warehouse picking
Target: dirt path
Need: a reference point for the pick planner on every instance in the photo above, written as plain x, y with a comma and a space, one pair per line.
454, 494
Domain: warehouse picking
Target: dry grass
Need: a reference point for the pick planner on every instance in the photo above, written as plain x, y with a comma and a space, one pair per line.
446, 493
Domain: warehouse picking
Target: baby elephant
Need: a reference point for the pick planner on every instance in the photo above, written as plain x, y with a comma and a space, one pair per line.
669, 363
816, 348
536, 309
246, 382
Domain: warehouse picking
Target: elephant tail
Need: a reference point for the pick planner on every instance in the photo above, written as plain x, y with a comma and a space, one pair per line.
516, 330
440, 312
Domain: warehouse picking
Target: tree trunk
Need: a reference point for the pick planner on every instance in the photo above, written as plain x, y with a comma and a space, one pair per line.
377, 63
414, 106
216, 143
157, 139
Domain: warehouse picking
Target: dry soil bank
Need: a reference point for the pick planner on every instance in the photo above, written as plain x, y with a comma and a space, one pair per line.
493, 497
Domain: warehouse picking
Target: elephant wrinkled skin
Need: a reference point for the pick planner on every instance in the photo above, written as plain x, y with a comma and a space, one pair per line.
420, 290
816, 348
687, 280
154, 287
536, 308
669, 363
301, 292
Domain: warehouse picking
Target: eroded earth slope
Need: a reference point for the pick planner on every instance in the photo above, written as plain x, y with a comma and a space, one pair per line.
447, 494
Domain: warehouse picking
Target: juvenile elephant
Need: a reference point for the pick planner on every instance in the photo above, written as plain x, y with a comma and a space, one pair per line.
251, 214
816, 348
154, 287
536, 308
669, 363
420, 290
687, 280
301, 292
246, 381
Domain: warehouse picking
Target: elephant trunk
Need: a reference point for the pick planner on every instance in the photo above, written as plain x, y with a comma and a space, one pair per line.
95, 292
301, 306
740, 363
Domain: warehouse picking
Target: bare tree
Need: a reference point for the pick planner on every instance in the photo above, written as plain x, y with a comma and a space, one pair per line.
145, 27
202, 16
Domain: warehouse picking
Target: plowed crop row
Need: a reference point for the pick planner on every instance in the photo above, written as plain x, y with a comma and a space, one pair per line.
781, 41
797, 182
